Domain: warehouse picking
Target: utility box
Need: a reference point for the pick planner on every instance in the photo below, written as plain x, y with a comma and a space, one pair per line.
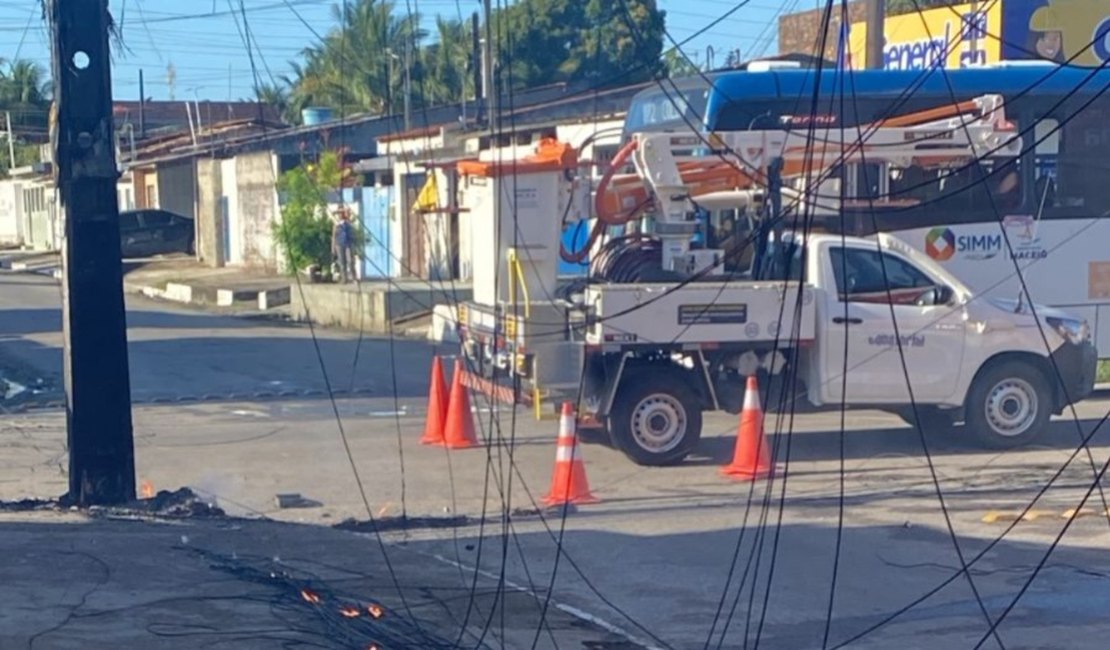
516, 210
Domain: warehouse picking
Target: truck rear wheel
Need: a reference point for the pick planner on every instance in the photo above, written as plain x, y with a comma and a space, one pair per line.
655, 419
1008, 405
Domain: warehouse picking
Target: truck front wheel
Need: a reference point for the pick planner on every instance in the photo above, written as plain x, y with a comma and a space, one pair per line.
655, 419
1009, 405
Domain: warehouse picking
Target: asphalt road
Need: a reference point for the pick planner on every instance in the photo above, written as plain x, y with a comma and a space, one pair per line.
670, 558
180, 354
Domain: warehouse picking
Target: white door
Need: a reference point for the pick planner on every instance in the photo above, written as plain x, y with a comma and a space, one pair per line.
873, 291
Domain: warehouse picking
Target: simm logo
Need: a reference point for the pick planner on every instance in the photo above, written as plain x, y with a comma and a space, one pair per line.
942, 244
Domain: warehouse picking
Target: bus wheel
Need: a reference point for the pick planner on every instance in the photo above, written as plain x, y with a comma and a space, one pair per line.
1008, 405
655, 419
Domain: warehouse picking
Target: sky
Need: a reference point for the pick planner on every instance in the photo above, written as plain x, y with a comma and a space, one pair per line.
202, 40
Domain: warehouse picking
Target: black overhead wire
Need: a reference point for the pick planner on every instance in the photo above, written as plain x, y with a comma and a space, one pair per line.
1058, 375
411, 47
1098, 474
784, 396
696, 129
1083, 445
916, 414
788, 383
1005, 278
383, 547
843, 49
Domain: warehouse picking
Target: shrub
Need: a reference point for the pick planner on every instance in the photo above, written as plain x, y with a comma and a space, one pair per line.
304, 232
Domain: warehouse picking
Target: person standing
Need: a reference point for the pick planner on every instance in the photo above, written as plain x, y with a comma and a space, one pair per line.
342, 247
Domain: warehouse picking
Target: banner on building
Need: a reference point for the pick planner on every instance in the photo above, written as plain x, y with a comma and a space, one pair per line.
958, 36
1057, 30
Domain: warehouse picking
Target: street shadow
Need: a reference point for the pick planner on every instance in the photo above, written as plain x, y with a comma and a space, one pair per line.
670, 588
17, 322
1064, 434
237, 363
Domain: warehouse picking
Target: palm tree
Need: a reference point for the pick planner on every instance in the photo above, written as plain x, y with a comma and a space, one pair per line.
24, 92
359, 66
446, 63
22, 83
275, 95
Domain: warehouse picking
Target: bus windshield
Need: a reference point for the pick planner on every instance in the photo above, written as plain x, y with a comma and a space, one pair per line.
669, 105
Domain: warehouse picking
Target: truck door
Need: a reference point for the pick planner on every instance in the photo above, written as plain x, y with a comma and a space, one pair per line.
858, 315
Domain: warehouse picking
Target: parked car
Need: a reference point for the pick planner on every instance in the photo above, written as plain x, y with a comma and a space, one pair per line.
154, 232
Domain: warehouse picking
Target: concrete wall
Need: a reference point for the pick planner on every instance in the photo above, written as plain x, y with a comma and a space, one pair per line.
229, 200
256, 178
11, 213
125, 193
210, 227
800, 33
371, 307
145, 182
42, 224
177, 188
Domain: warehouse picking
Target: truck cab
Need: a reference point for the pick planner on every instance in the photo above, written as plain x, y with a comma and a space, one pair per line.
896, 330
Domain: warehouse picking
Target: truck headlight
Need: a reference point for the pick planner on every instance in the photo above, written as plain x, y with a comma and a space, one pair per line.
1074, 331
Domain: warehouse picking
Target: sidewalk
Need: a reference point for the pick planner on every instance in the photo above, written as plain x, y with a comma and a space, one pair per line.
29, 261
184, 280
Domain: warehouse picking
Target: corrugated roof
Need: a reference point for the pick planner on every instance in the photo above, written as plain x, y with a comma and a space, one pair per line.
159, 115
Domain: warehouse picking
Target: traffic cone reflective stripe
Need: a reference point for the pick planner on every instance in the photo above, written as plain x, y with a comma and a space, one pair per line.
752, 458
459, 429
568, 482
437, 407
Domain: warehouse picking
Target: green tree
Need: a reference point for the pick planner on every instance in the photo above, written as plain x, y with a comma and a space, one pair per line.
276, 95
360, 64
304, 232
25, 92
446, 65
677, 65
548, 41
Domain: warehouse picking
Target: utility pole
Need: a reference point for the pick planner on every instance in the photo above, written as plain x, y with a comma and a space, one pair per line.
488, 87
408, 85
142, 106
11, 140
876, 37
97, 381
476, 70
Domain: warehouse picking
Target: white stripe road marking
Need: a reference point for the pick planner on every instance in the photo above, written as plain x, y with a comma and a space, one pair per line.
563, 607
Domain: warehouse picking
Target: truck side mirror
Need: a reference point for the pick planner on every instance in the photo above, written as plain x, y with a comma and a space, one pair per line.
936, 295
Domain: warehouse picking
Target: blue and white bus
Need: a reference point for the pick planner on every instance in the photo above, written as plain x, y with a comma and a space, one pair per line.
1048, 210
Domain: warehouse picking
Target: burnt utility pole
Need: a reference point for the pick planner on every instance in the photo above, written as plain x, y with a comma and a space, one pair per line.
876, 34
97, 382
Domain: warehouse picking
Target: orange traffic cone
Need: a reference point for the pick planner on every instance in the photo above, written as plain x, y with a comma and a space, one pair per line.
568, 483
437, 407
458, 433
752, 459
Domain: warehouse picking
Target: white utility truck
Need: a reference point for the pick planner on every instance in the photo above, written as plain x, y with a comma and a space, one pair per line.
663, 330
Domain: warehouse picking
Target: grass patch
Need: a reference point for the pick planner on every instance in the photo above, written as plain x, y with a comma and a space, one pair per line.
1102, 376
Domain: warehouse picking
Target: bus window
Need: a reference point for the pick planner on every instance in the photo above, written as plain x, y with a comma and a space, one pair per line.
1046, 153
1083, 169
